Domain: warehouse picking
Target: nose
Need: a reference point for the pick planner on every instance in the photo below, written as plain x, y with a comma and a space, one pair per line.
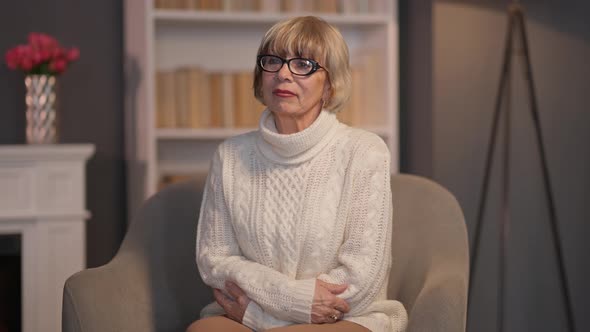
284, 73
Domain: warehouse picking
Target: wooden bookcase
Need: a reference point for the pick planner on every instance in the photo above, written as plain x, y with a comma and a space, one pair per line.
226, 40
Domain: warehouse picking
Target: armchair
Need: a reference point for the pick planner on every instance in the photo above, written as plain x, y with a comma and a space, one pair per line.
152, 284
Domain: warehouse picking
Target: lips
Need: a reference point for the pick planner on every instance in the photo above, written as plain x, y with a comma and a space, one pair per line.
283, 93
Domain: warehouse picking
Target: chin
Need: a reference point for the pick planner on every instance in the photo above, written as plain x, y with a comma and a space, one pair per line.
284, 109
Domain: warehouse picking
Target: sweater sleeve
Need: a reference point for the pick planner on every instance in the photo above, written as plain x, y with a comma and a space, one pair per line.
219, 258
364, 258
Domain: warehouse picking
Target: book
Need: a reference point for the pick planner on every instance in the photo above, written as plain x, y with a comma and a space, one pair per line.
165, 103
228, 100
348, 6
167, 180
327, 6
356, 112
197, 98
270, 6
246, 106
373, 86
216, 99
181, 97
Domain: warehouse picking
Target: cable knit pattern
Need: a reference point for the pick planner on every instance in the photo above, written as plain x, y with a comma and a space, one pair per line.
280, 211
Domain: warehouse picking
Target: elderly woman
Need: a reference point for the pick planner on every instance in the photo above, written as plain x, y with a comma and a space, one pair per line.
295, 225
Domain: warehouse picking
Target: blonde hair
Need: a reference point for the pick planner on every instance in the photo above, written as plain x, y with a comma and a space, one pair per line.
310, 37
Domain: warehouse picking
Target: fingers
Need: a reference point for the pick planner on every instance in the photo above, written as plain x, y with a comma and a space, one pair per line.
230, 306
335, 316
321, 316
223, 300
334, 301
234, 290
237, 293
327, 307
326, 316
333, 288
341, 305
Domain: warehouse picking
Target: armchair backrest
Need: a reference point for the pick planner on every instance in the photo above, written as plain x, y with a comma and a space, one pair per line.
162, 236
429, 246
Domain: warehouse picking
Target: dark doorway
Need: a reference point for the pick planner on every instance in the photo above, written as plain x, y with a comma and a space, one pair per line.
10, 283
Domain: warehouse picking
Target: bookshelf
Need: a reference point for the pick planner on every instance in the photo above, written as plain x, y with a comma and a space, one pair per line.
219, 40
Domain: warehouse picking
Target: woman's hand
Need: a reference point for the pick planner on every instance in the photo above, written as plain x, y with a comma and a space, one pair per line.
234, 307
327, 307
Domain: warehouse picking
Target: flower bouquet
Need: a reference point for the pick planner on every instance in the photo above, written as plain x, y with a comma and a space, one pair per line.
43, 55
42, 59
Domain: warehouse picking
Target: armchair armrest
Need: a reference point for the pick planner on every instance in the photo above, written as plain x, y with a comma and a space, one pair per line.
152, 284
441, 305
113, 297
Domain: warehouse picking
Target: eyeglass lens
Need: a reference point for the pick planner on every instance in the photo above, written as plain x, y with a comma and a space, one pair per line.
298, 66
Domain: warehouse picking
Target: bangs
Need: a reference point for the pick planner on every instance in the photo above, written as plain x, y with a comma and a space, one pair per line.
301, 39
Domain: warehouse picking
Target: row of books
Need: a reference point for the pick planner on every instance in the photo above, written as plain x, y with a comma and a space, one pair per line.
167, 180
367, 105
287, 6
191, 97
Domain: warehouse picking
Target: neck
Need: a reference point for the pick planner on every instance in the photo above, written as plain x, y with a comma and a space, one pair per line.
290, 124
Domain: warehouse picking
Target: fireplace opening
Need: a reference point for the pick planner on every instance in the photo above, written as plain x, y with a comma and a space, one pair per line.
10, 283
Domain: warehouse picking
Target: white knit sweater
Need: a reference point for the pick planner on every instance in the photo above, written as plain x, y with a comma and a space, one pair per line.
280, 211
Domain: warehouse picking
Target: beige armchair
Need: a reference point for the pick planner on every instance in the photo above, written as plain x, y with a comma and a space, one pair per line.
152, 284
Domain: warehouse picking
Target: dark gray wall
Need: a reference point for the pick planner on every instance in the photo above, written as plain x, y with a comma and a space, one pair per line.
90, 101
415, 47
468, 43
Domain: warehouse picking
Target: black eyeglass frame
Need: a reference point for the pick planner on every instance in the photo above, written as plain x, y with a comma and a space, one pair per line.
315, 66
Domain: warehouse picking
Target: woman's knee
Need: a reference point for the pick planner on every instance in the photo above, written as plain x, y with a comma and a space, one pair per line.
217, 323
196, 326
205, 324
341, 326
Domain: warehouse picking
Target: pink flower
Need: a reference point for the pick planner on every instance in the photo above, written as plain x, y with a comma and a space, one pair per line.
23, 50
73, 54
58, 66
58, 53
42, 41
26, 64
33, 39
45, 55
36, 58
11, 59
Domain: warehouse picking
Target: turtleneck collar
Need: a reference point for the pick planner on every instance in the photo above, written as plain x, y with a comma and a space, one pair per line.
298, 147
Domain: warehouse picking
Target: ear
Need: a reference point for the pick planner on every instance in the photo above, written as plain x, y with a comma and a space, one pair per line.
327, 94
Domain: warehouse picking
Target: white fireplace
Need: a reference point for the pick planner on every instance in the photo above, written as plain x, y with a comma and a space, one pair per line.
42, 198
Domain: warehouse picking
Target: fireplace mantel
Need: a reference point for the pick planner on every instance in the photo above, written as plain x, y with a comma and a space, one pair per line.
42, 198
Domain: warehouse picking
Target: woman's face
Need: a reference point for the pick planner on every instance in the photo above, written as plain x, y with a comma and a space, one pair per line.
286, 94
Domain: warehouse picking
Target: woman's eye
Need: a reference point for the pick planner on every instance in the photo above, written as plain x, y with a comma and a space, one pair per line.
273, 61
303, 64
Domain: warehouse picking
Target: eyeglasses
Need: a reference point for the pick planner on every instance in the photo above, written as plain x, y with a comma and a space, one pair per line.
297, 66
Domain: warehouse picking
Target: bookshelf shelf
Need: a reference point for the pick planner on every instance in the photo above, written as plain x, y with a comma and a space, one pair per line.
180, 168
223, 133
177, 16
199, 134
215, 50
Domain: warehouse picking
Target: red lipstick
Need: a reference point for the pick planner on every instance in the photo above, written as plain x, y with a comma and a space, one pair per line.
283, 93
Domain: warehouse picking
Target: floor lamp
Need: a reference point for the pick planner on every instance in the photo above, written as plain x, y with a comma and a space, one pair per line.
516, 27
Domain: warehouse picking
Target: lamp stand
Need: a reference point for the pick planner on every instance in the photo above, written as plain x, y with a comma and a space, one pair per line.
516, 25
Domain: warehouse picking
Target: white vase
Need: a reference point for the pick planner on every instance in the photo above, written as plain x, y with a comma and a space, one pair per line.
41, 114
